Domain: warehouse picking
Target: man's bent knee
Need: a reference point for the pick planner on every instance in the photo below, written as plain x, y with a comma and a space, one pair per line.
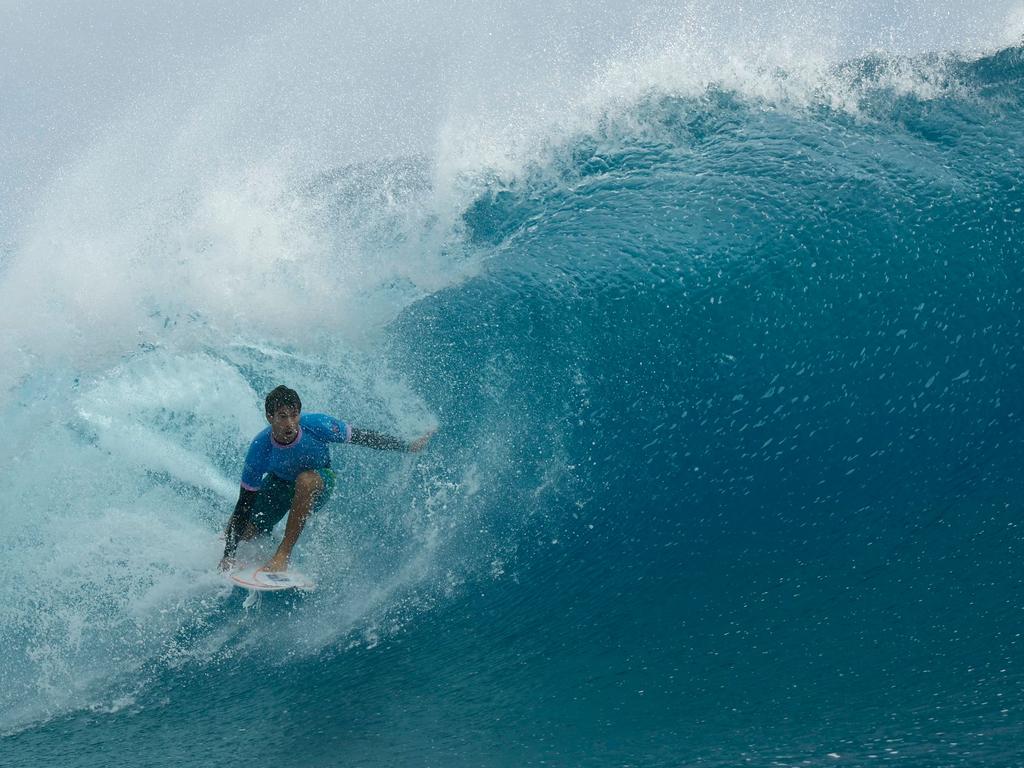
309, 482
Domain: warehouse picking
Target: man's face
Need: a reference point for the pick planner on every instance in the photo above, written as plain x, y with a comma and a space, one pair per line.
284, 424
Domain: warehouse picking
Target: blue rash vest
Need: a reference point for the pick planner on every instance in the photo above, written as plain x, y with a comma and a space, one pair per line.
309, 450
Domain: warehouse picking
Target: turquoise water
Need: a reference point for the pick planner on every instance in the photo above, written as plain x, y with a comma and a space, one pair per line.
727, 472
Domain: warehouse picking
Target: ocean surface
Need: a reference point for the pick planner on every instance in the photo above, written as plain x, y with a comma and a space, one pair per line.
727, 378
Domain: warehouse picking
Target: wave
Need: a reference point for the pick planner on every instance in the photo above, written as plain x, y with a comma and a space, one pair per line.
699, 347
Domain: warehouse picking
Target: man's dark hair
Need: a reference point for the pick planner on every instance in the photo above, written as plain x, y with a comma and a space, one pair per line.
282, 397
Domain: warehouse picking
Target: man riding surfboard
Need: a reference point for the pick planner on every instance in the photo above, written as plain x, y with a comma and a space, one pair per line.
288, 472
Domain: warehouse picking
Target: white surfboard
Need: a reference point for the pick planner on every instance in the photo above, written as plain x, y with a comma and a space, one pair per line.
251, 577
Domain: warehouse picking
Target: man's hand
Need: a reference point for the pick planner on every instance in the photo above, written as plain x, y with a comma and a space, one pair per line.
419, 444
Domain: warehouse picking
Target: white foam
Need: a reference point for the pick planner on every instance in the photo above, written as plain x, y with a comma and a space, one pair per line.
792, 55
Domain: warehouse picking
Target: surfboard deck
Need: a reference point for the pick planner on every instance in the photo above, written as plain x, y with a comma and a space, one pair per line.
251, 577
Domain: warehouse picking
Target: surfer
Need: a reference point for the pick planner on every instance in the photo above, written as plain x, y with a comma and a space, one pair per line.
288, 472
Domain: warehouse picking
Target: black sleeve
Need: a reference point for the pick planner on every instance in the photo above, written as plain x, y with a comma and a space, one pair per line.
377, 440
243, 509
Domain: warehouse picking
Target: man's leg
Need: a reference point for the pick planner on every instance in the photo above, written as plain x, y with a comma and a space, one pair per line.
273, 502
308, 486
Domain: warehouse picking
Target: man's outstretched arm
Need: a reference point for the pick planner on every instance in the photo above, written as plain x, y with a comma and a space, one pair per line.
381, 442
236, 525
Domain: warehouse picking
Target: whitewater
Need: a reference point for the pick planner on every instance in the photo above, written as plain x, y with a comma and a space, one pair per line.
717, 314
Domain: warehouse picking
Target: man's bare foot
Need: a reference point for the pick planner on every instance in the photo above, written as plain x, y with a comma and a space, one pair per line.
276, 563
227, 563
